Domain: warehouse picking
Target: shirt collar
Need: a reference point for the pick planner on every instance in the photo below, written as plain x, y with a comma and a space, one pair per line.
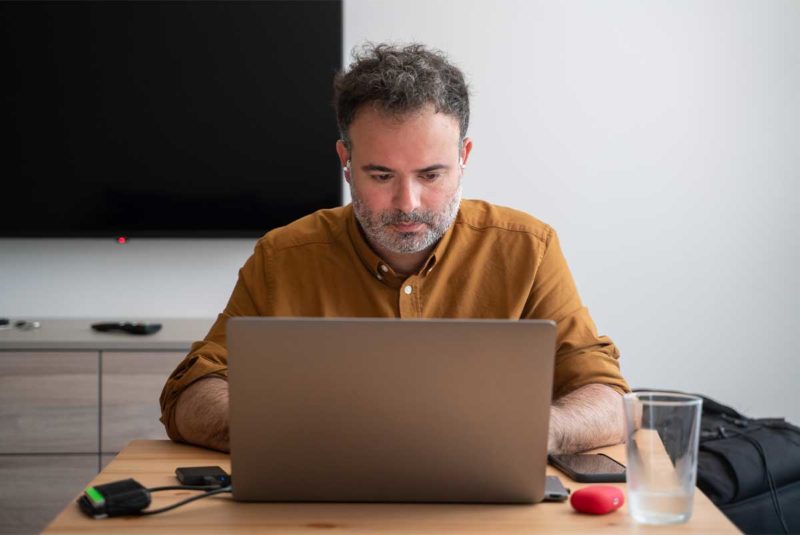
377, 266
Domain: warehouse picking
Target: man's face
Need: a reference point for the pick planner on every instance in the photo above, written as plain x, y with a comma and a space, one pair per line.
405, 177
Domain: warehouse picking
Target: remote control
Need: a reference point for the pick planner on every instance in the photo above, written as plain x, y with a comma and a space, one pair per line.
130, 328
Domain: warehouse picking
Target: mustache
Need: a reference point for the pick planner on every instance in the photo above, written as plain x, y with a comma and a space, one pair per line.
391, 218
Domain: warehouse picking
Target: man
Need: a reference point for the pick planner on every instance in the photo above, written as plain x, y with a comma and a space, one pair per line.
408, 247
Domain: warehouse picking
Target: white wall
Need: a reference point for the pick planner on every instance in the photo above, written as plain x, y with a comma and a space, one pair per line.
100, 278
661, 139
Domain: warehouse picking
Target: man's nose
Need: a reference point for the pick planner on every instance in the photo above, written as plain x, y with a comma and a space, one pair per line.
406, 195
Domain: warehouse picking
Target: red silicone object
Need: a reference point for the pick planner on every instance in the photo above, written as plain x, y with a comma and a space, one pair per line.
597, 499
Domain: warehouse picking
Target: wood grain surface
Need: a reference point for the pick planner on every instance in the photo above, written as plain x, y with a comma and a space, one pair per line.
36, 487
132, 384
153, 463
48, 402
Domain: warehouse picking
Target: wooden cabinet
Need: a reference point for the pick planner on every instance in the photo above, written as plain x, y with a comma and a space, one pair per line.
131, 386
35, 488
49, 402
68, 409
70, 398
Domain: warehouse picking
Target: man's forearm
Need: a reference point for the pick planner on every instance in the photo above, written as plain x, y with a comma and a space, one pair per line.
201, 414
590, 417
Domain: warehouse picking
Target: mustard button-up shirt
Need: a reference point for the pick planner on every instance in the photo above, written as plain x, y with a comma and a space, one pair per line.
494, 262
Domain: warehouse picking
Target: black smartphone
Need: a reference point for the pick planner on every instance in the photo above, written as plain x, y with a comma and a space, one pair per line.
589, 467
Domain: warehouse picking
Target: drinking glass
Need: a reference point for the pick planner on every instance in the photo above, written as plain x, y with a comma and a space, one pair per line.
663, 430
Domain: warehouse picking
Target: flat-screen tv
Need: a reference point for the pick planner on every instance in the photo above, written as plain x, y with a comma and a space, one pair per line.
166, 119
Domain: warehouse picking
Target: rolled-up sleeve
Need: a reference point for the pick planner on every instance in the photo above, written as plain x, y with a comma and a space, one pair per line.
209, 357
582, 356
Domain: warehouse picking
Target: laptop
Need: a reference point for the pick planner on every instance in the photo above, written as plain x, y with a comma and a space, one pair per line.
389, 410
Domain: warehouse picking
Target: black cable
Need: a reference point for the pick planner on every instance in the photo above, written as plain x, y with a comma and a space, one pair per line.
187, 500
185, 487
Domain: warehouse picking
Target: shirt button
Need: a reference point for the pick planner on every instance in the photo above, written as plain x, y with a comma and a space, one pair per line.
408, 289
384, 268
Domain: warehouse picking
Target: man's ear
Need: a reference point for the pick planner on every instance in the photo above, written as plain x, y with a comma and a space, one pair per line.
344, 158
466, 148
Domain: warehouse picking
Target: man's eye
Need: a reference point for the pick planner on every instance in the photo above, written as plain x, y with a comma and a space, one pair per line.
382, 178
431, 176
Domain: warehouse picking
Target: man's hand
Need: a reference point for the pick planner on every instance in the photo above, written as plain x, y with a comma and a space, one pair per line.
589, 417
201, 414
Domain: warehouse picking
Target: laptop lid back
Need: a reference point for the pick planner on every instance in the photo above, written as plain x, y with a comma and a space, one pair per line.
387, 410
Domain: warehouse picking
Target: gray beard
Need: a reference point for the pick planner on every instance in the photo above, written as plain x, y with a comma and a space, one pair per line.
376, 227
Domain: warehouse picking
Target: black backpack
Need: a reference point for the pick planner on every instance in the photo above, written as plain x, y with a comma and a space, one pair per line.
750, 469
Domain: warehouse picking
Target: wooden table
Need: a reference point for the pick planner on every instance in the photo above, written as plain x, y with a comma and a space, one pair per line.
153, 463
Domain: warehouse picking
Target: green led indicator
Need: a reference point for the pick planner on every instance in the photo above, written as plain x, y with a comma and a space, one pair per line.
94, 495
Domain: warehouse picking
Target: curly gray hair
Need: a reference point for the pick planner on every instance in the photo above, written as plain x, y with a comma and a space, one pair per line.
400, 79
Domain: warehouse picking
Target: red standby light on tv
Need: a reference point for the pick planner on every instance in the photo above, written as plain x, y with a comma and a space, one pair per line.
122, 240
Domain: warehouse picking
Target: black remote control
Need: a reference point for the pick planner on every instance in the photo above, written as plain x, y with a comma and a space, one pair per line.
130, 328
